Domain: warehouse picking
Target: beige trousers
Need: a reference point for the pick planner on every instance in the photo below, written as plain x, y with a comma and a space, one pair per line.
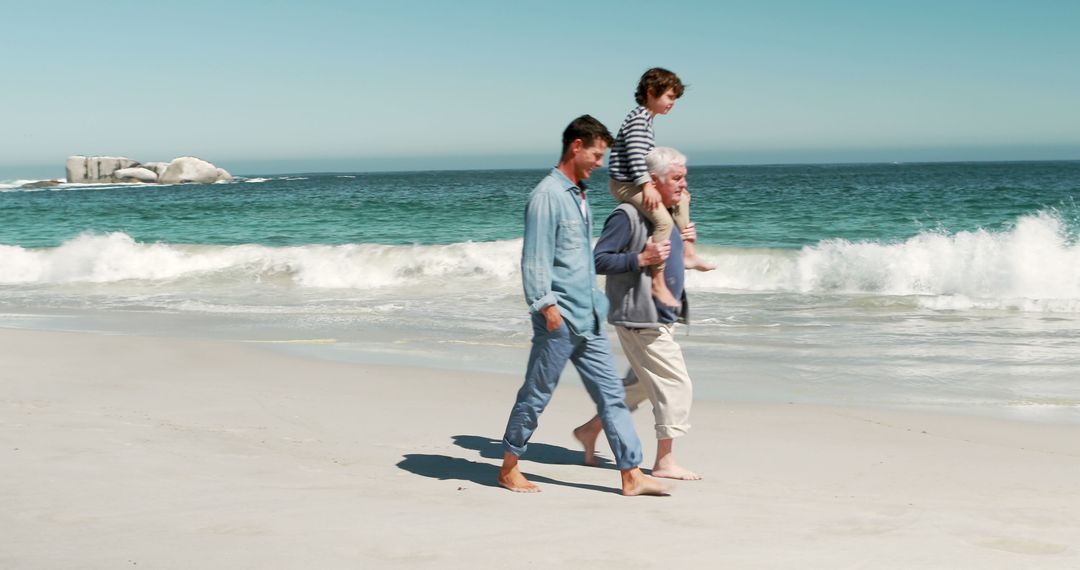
658, 363
661, 219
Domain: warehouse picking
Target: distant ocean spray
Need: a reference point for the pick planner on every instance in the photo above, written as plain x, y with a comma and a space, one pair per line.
954, 285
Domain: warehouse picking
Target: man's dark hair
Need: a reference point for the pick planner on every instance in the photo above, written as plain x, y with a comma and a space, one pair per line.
586, 128
657, 81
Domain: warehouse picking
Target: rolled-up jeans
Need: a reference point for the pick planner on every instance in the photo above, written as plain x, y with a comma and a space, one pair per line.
591, 355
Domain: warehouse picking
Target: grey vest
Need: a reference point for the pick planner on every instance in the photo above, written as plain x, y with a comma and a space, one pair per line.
630, 293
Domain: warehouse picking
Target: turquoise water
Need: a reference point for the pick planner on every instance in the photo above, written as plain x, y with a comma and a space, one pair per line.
745, 206
953, 286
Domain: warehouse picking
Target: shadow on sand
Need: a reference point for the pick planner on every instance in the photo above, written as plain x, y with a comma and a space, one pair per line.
447, 468
537, 452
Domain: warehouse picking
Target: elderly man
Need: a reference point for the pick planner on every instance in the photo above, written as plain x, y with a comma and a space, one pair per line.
645, 326
567, 313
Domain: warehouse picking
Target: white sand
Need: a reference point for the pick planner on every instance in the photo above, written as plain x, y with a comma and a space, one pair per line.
123, 452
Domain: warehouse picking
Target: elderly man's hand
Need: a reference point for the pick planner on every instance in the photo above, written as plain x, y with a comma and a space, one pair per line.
552, 316
654, 253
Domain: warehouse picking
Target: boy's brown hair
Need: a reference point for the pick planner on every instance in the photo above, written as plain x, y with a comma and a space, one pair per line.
657, 81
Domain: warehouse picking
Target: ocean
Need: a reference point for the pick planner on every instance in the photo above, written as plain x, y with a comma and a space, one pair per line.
943, 286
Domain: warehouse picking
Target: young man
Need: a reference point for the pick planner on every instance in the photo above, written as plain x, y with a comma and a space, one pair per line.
568, 313
644, 324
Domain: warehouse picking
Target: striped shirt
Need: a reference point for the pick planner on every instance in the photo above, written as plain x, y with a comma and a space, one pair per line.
634, 141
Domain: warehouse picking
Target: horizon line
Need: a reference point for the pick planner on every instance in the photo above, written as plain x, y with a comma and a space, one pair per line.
733, 164
692, 164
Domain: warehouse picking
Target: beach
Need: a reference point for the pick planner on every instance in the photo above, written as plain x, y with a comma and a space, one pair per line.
269, 276
315, 371
164, 452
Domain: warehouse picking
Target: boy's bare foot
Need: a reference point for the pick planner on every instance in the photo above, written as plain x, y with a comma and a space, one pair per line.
587, 434
675, 472
510, 476
698, 264
691, 260
661, 293
635, 483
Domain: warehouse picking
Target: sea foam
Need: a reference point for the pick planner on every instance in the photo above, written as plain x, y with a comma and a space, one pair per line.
1034, 266
115, 257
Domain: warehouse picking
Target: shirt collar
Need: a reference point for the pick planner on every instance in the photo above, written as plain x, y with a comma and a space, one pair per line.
566, 183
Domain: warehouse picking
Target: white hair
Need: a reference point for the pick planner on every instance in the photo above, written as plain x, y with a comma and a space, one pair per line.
660, 159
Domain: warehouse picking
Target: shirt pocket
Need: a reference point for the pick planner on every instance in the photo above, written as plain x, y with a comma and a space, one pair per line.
568, 236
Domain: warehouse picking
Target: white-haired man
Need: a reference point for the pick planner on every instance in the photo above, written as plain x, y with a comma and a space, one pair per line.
645, 326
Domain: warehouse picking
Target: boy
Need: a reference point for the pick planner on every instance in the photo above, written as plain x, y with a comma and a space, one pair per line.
656, 93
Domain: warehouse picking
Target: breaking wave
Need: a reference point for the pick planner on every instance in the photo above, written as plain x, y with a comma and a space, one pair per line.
117, 257
1034, 266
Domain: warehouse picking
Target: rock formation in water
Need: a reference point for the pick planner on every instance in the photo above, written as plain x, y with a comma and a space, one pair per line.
89, 169
157, 167
109, 169
191, 169
135, 174
42, 184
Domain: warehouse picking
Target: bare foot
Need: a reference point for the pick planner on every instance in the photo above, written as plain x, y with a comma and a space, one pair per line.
510, 476
662, 295
675, 472
635, 483
587, 435
514, 480
698, 263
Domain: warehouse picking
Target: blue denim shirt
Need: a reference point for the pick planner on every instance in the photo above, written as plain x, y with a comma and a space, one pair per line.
556, 258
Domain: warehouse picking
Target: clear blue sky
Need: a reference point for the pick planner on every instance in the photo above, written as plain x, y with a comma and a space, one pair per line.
276, 87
